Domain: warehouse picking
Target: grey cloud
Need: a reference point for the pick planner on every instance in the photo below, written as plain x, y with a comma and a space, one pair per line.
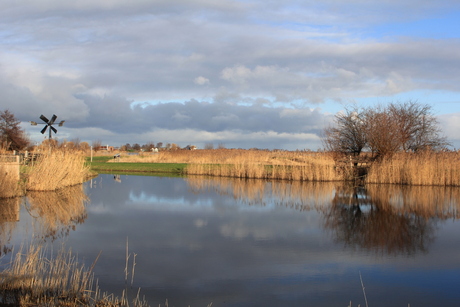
118, 115
90, 60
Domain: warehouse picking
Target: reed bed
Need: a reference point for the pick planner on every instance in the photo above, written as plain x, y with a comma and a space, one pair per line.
36, 278
56, 170
226, 156
10, 185
428, 168
257, 164
425, 168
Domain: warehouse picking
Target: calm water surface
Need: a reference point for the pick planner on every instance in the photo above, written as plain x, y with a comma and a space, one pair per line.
254, 243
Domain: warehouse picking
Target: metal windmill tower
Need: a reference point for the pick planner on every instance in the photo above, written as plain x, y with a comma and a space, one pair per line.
49, 124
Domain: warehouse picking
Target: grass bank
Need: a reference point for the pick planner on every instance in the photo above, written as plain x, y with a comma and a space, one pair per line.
103, 164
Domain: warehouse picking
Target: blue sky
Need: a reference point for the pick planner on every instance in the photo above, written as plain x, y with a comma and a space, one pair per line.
265, 74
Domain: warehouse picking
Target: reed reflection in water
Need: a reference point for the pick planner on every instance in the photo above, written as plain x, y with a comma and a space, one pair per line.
9, 216
47, 215
385, 219
56, 213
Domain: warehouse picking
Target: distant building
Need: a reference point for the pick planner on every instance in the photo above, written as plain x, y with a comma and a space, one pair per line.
104, 148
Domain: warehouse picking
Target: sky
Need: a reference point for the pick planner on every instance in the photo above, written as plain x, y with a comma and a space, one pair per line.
241, 74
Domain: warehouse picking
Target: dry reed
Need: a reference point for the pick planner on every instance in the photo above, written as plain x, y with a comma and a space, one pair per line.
56, 170
32, 278
35, 279
428, 168
260, 164
9, 179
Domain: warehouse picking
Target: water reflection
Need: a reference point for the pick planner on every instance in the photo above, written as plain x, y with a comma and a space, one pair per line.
52, 215
385, 219
9, 215
366, 219
56, 213
262, 243
293, 194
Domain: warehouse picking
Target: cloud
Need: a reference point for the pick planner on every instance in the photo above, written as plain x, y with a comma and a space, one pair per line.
215, 66
201, 80
450, 125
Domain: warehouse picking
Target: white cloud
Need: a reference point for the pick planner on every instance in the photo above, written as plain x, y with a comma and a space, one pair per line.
201, 80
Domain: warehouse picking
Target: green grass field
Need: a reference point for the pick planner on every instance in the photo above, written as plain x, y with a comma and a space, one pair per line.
100, 164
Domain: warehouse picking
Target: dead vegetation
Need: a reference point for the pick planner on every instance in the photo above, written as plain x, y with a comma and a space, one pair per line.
57, 169
36, 278
441, 168
424, 168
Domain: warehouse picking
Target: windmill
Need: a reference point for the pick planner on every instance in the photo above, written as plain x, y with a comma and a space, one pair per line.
49, 124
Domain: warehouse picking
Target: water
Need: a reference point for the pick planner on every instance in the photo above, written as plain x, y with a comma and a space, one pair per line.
230, 242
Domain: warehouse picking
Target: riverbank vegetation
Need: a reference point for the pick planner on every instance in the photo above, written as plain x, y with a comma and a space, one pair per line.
56, 169
35, 278
49, 170
240, 163
426, 167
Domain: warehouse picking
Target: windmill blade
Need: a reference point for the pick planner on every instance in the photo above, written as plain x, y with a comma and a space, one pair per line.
54, 129
44, 129
43, 118
52, 119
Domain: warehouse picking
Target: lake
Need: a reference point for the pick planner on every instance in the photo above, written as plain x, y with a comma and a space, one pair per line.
229, 242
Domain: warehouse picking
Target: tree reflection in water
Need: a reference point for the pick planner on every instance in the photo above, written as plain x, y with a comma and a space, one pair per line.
390, 219
384, 219
362, 222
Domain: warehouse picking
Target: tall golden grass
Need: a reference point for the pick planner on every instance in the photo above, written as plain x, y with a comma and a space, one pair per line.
257, 164
427, 168
36, 279
57, 169
10, 185
32, 278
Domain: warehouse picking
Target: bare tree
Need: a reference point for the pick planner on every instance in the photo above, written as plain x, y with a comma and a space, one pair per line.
408, 126
417, 128
84, 146
209, 146
348, 134
76, 143
381, 133
11, 133
136, 147
96, 144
